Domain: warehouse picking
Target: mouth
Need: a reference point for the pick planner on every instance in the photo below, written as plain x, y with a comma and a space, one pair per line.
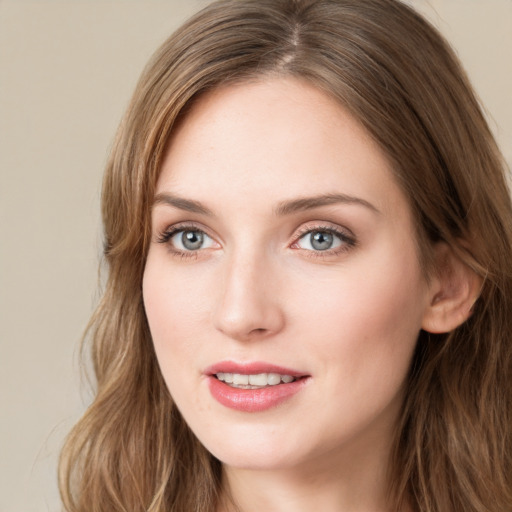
253, 387
254, 381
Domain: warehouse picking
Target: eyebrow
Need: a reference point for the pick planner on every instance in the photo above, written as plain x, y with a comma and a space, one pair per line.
182, 204
282, 209
308, 203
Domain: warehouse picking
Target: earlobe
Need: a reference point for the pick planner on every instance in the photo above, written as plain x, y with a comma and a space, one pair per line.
454, 290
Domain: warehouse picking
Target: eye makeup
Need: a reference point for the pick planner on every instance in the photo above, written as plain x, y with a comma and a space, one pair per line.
323, 240
313, 239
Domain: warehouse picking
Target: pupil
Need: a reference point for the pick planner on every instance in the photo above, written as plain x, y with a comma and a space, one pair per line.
321, 240
192, 240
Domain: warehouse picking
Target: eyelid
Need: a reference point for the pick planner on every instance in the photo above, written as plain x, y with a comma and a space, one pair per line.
165, 235
183, 226
206, 241
345, 235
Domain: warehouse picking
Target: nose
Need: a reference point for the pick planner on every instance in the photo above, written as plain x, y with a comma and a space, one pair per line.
248, 305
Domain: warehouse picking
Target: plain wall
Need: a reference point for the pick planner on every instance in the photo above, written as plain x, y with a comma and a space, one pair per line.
67, 70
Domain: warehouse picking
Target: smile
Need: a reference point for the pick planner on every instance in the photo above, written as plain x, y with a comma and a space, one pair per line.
254, 381
253, 387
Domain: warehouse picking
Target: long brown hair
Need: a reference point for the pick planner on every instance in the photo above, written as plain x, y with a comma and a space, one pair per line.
132, 451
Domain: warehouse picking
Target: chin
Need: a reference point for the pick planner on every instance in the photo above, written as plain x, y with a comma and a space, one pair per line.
253, 450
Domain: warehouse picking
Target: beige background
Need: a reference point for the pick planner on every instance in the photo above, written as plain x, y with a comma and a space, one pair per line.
67, 69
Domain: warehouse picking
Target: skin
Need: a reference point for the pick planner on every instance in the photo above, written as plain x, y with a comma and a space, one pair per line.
257, 290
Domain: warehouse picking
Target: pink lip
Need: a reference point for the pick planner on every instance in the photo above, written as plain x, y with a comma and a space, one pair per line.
251, 369
252, 400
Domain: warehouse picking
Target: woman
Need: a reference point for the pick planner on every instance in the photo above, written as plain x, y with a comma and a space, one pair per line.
308, 235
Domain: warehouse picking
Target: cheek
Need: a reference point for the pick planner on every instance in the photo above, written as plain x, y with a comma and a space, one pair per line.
171, 321
367, 317
173, 297
172, 304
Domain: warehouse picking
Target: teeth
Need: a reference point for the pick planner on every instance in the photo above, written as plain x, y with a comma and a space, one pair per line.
273, 379
239, 379
256, 381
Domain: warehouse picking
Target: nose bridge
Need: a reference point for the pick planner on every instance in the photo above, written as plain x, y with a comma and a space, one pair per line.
248, 305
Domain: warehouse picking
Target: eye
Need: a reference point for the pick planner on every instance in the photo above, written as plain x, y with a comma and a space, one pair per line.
319, 241
327, 240
187, 240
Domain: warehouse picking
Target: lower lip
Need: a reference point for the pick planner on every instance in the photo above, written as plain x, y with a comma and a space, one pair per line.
253, 400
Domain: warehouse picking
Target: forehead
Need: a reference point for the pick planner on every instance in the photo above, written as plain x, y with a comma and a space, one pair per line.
276, 138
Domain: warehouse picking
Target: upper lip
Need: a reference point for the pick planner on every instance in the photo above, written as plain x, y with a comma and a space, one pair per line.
251, 368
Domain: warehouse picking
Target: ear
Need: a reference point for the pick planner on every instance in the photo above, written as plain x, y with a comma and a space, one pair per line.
454, 289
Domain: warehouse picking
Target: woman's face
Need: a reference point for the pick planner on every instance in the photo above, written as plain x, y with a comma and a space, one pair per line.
283, 254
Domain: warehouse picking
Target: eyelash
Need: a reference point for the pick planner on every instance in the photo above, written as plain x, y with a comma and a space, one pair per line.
166, 236
348, 240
